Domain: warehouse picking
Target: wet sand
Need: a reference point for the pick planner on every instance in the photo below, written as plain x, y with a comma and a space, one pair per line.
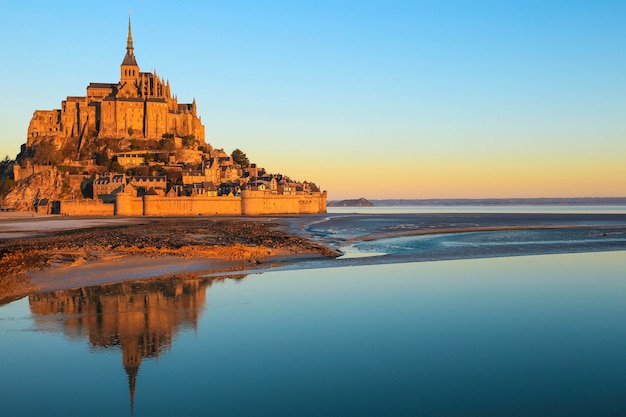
463, 236
49, 253
44, 253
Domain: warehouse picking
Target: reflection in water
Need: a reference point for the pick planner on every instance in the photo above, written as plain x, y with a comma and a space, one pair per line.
140, 318
533, 336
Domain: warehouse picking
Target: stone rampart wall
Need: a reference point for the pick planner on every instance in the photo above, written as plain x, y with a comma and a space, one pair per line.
85, 208
189, 206
128, 205
258, 203
251, 203
21, 173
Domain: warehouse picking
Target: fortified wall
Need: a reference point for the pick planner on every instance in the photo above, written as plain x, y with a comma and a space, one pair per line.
86, 208
250, 203
21, 173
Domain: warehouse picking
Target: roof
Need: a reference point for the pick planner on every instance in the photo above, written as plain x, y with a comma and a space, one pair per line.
129, 59
101, 85
209, 186
149, 178
128, 99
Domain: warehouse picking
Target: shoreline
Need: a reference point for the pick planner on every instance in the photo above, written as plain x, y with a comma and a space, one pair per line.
47, 253
50, 253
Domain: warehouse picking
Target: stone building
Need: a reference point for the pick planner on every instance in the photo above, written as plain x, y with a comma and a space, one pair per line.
139, 106
106, 187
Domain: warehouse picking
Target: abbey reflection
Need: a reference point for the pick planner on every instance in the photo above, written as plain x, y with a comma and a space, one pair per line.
141, 318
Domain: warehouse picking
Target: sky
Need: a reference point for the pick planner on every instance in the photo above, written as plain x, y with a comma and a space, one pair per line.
374, 99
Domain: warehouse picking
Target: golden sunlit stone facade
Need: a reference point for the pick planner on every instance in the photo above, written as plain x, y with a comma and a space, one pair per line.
139, 106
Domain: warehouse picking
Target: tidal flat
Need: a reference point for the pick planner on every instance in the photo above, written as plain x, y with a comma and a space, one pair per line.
43, 253
341, 314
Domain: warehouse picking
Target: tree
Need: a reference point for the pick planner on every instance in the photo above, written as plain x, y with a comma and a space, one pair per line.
157, 170
6, 186
141, 171
6, 166
46, 153
189, 141
239, 157
116, 167
167, 144
102, 159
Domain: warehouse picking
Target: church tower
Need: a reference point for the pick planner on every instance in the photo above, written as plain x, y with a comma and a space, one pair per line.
129, 70
139, 105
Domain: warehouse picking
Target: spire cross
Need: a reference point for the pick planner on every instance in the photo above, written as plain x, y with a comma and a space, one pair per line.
129, 43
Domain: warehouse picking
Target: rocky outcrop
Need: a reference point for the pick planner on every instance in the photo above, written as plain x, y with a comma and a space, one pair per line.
46, 184
361, 202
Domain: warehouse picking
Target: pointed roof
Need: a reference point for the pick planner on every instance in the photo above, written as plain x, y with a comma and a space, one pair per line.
129, 59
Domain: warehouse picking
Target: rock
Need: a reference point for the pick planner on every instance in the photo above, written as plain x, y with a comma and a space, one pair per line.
46, 184
361, 202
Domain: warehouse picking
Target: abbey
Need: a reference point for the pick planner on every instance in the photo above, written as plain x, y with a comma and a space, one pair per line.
139, 106
131, 149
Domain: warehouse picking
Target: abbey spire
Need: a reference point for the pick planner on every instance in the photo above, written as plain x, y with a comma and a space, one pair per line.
129, 59
129, 70
129, 41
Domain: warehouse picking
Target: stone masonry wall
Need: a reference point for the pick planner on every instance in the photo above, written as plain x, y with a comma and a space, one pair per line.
189, 206
86, 208
251, 203
128, 205
258, 203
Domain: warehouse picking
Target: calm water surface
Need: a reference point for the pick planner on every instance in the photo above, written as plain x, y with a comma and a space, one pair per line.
522, 336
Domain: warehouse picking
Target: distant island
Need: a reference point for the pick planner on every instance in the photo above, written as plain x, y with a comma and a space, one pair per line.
574, 201
359, 202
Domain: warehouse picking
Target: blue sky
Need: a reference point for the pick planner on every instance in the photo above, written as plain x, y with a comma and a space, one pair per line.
406, 99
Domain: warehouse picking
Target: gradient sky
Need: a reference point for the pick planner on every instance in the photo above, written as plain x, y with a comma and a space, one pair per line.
375, 99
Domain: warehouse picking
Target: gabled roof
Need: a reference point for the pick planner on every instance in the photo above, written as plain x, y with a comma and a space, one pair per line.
209, 186
102, 85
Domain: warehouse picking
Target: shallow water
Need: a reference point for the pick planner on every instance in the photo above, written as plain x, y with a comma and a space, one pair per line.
406, 236
486, 244
530, 335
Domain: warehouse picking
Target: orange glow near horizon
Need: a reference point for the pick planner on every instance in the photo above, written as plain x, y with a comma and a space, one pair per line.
538, 177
